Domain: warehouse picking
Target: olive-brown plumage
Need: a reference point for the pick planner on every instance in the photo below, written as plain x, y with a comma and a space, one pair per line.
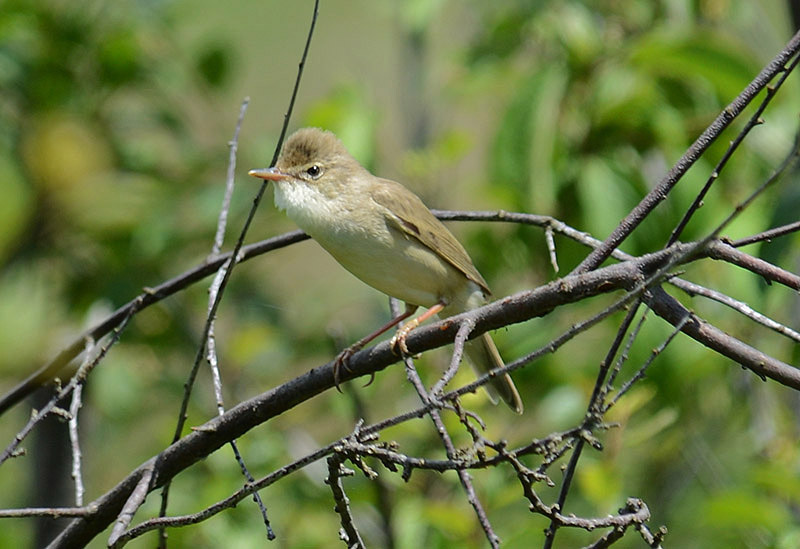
383, 234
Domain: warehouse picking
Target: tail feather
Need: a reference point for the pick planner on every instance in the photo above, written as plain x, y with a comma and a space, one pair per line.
482, 354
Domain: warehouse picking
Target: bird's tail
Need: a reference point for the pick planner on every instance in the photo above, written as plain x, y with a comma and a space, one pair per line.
484, 357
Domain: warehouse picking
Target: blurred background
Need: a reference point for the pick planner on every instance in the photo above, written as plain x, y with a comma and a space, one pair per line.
115, 119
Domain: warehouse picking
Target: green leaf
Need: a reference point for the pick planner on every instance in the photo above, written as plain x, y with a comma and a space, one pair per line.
525, 144
602, 194
349, 115
214, 64
16, 207
30, 304
743, 510
600, 483
707, 54
417, 14
505, 34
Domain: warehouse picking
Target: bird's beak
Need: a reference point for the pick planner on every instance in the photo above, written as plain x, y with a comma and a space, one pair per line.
270, 174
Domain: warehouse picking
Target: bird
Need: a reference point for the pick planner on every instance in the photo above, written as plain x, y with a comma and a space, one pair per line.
383, 234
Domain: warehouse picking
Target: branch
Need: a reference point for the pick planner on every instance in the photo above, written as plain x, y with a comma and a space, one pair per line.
741, 307
228, 266
770, 272
509, 310
148, 297
701, 144
767, 235
765, 366
349, 533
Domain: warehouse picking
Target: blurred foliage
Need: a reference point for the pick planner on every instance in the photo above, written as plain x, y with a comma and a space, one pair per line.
114, 123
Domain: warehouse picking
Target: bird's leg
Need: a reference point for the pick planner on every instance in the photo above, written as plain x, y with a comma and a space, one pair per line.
344, 356
399, 339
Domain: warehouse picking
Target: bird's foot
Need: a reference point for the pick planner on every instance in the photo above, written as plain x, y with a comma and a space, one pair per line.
341, 361
398, 342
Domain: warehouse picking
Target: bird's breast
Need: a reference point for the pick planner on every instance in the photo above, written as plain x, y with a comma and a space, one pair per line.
360, 239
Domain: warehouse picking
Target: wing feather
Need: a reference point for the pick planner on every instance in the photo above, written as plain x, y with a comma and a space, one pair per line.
410, 216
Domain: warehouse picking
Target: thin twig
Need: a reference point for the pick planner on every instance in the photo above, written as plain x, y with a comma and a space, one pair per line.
78, 378
229, 502
768, 235
49, 512
589, 422
551, 247
755, 120
349, 533
75, 444
213, 291
234, 258
643, 369
74, 439
233, 146
134, 501
742, 307
428, 399
698, 148
623, 356
455, 359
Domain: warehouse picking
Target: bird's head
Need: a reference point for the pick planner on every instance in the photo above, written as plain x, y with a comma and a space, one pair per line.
311, 155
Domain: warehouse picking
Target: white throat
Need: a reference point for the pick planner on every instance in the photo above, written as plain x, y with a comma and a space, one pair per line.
306, 205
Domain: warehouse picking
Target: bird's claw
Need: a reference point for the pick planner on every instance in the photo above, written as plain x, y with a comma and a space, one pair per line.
341, 362
398, 346
398, 342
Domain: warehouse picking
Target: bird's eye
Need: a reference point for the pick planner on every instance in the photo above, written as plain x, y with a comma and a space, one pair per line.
314, 171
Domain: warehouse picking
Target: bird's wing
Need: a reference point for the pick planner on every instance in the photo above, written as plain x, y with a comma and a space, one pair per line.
413, 219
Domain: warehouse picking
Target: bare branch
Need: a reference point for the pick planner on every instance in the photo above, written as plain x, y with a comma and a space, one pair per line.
233, 146
74, 408
551, 247
78, 378
643, 369
349, 533
725, 252
783, 230
760, 363
49, 512
458, 351
701, 144
740, 306
77, 476
132, 504
754, 121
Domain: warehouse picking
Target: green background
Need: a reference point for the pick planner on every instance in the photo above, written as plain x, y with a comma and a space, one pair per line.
114, 124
